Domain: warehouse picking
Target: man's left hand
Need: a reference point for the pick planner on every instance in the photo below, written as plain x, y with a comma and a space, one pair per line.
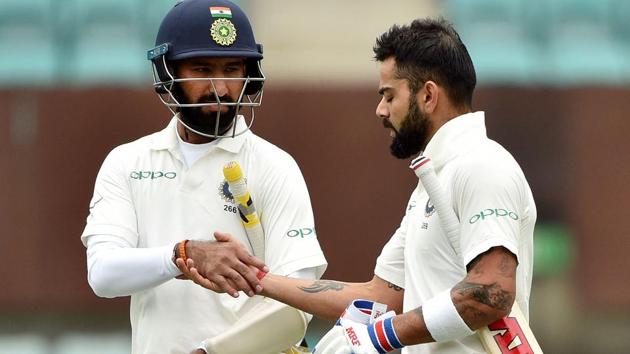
349, 338
363, 328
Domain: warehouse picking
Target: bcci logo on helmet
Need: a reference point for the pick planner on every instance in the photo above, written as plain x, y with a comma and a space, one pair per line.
223, 32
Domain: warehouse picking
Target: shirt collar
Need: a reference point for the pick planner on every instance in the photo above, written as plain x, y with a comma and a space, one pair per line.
455, 137
166, 139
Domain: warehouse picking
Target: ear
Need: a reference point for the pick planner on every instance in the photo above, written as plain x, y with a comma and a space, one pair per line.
428, 96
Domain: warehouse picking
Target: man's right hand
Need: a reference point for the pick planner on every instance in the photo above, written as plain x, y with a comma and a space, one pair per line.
225, 264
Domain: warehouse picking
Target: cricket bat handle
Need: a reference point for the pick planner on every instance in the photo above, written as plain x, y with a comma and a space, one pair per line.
247, 210
423, 168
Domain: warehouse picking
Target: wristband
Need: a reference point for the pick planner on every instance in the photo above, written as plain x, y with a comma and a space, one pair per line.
383, 336
442, 319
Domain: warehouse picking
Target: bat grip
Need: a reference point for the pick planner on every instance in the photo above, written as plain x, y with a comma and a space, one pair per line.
448, 219
249, 217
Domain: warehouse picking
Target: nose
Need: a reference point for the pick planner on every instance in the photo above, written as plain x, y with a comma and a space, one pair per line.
381, 109
218, 87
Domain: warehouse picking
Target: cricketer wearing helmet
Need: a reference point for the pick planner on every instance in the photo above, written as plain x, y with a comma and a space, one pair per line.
164, 197
219, 30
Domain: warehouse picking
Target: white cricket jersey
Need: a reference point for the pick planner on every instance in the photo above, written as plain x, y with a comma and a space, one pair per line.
146, 195
494, 203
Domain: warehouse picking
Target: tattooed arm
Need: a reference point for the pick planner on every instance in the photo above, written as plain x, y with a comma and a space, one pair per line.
322, 298
489, 289
328, 298
485, 295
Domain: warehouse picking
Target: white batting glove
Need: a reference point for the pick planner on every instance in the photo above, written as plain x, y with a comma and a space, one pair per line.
362, 311
361, 329
357, 338
333, 342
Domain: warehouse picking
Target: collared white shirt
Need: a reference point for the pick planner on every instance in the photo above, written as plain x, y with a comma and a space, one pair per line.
147, 196
494, 203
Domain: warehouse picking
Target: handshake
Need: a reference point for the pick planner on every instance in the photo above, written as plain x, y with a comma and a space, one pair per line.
364, 328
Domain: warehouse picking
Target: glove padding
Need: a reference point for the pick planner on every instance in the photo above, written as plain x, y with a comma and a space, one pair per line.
363, 328
362, 311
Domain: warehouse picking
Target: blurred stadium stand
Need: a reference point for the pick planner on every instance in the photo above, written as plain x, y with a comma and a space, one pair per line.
78, 42
557, 43
499, 38
523, 42
27, 50
582, 47
108, 48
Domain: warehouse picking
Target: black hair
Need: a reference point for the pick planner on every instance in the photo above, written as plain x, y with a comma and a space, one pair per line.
430, 49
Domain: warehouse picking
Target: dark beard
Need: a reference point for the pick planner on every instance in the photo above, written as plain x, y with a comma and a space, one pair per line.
413, 134
203, 122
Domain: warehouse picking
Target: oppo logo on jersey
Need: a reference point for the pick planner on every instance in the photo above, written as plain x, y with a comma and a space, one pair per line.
152, 175
305, 231
498, 212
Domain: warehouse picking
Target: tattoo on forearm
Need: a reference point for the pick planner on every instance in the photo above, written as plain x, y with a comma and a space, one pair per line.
394, 286
323, 285
491, 295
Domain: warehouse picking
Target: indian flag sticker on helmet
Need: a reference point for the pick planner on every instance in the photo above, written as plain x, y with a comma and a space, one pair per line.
219, 11
223, 32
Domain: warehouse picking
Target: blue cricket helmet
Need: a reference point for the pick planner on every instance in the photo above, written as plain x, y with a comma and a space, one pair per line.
207, 28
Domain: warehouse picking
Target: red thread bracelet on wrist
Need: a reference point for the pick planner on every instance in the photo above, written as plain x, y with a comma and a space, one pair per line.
181, 250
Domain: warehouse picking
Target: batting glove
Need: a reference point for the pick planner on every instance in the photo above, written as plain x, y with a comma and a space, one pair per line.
362, 311
363, 328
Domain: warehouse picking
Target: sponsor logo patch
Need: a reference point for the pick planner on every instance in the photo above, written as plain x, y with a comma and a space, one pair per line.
301, 233
224, 192
429, 209
223, 32
352, 336
139, 175
492, 213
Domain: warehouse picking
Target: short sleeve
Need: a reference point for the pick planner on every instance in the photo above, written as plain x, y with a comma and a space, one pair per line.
488, 199
111, 208
287, 218
390, 264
